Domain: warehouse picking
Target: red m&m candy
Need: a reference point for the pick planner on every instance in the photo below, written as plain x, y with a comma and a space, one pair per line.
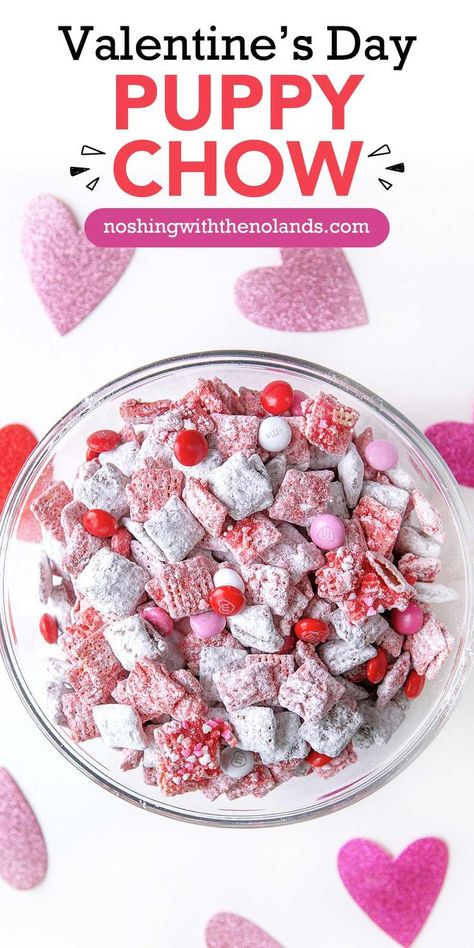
312, 631
277, 397
226, 600
317, 760
99, 523
103, 440
48, 628
414, 685
190, 447
377, 667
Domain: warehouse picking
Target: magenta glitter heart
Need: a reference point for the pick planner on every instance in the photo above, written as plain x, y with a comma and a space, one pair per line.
455, 442
227, 930
23, 856
314, 290
70, 275
397, 894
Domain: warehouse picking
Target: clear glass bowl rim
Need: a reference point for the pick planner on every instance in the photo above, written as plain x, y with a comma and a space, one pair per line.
316, 373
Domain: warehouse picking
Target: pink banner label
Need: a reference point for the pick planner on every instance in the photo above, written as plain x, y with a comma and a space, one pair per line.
237, 227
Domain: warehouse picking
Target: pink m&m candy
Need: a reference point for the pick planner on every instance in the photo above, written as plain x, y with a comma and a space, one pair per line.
159, 619
327, 531
207, 624
381, 455
408, 621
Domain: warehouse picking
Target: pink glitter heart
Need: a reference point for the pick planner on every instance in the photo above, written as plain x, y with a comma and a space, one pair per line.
226, 930
455, 442
314, 290
397, 894
23, 856
70, 275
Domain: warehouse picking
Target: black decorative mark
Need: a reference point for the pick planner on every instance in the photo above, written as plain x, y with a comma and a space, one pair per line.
73, 170
92, 184
381, 150
399, 167
385, 184
88, 150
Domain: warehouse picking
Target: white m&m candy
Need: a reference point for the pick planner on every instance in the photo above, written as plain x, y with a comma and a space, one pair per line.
235, 762
274, 434
228, 577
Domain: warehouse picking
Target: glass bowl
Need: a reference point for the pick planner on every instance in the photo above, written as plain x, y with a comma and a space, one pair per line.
301, 798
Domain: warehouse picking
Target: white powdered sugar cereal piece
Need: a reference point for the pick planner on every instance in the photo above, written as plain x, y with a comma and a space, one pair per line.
289, 745
351, 474
254, 728
105, 490
174, 529
432, 593
123, 457
410, 540
391, 497
332, 733
132, 638
112, 584
119, 726
340, 657
242, 485
254, 628
45, 578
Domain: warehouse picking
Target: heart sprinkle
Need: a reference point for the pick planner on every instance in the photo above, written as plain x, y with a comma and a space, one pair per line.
313, 290
23, 856
16, 444
226, 930
455, 442
397, 894
70, 275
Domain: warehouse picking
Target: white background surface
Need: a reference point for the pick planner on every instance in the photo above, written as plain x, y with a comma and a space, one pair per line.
118, 876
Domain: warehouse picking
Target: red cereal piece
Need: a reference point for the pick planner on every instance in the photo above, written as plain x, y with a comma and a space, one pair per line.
287, 769
335, 764
80, 547
150, 488
216, 786
380, 525
428, 645
310, 691
182, 589
213, 395
47, 509
251, 537
79, 717
298, 453
95, 655
279, 664
393, 680
257, 783
361, 441
328, 423
235, 433
152, 690
355, 538
121, 542
249, 402
207, 509
342, 574
133, 411
419, 569
71, 515
268, 585
130, 759
302, 495
243, 686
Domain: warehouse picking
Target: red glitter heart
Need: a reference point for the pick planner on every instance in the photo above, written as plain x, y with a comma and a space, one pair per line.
70, 275
226, 930
455, 442
16, 444
312, 291
23, 855
397, 894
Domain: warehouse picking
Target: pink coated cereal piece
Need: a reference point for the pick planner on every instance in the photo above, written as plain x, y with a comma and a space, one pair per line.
394, 679
207, 509
213, 395
298, 452
79, 718
355, 538
182, 589
318, 608
257, 783
249, 401
251, 537
429, 517
133, 411
95, 655
48, 506
305, 587
150, 776
310, 691
188, 754
328, 423
302, 495
152, 690
45, 578
130, 759
192, 646
240, 687
347, 757
293, 553
361, 441
391, 642
280, 666
380, 525
269, 585
151, 487
235, 433
435, 665
80, 547
427, 644
422, 569
121, 542
297, 603
71, 515
216, 786
341, 575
